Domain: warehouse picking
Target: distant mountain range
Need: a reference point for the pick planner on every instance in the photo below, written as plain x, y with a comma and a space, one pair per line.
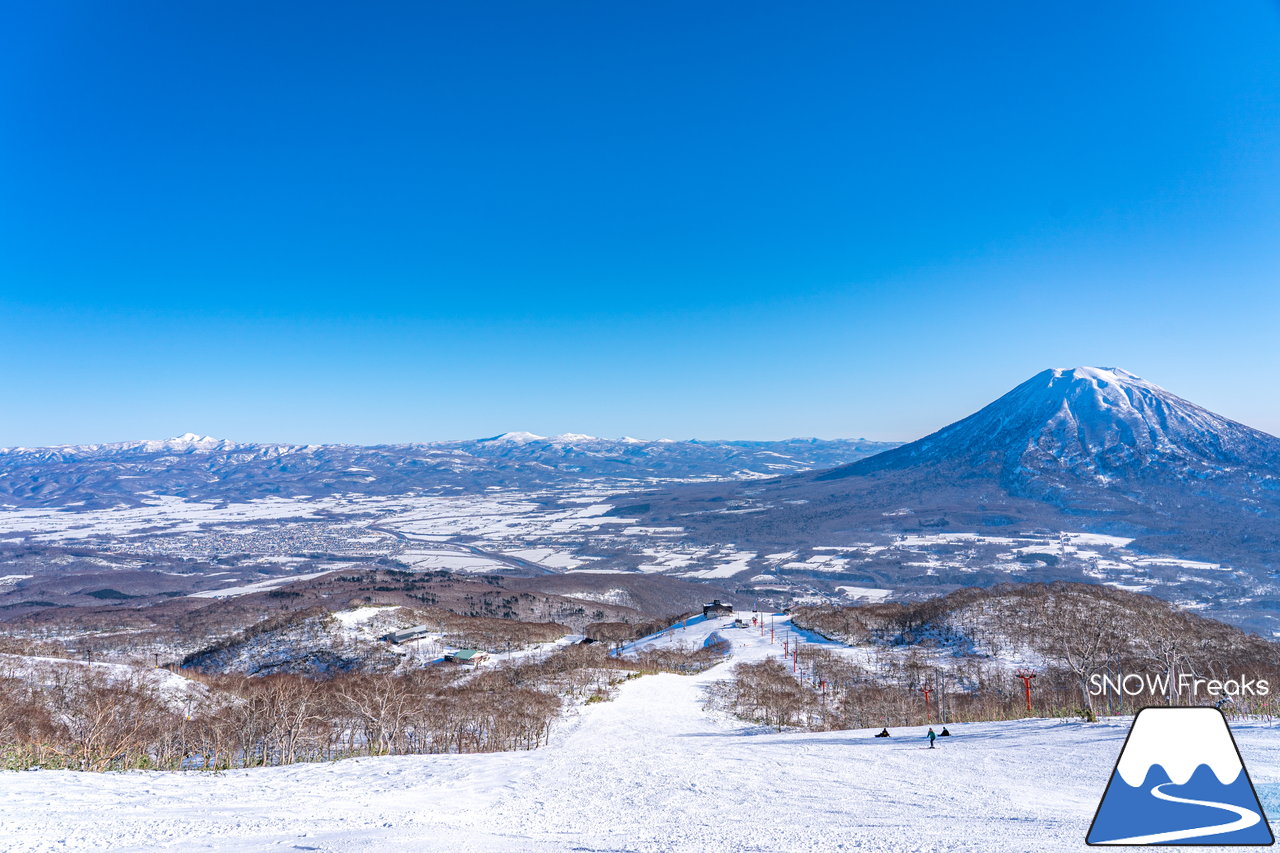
1088, 448
1085, 474
205, 468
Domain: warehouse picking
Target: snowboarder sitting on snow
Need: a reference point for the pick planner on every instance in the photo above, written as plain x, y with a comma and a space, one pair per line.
945, 733
883, 733
932, 736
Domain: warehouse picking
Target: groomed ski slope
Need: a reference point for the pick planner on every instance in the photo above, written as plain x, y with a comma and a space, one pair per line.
649, 771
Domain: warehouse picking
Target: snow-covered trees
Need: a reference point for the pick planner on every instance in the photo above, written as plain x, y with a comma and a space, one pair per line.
966, 646
766, 693
112, 716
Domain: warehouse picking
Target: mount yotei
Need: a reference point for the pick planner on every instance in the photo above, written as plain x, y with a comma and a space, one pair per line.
1088, 449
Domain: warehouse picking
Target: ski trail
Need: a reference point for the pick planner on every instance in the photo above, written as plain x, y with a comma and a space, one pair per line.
1246, 818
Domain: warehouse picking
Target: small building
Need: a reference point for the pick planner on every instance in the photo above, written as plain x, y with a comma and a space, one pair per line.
716, 609
467, 656
415, 633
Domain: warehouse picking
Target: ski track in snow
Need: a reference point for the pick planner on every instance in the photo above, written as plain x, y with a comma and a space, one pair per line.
649, 772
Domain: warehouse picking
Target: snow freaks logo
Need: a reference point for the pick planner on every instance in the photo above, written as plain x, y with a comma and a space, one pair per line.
1185, 684
1180, 780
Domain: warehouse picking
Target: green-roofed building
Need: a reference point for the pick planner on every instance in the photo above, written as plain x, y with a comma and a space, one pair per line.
471, 656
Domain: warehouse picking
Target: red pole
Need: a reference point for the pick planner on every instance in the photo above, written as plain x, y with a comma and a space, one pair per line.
926, 691
1026, 686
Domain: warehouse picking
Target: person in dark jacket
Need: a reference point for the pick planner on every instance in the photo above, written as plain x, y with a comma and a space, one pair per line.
883, 733
945, 733
932, 736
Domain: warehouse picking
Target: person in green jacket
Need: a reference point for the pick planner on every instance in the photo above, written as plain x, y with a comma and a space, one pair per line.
932, 736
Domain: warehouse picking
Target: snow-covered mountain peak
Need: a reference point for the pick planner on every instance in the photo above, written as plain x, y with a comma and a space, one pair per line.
516, 438
573, 437
1111, 384
1099, 375
191, 438
1086, 423
1107, 417
189, 442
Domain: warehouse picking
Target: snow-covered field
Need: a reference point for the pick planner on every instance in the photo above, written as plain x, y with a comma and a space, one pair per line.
572, 529
648, 771
231, 592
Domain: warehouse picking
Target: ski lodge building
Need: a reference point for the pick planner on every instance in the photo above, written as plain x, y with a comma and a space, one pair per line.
716, 609
415, 633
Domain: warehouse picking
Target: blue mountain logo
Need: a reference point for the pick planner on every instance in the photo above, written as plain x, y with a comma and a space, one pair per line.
1180, 780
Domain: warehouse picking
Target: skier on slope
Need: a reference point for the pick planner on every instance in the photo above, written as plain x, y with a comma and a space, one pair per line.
932, 736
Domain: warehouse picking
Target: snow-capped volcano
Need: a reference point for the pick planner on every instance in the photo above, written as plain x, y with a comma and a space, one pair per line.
1085, 424
1085, 449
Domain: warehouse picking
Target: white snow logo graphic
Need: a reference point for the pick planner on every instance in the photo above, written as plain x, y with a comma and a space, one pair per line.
1180, 780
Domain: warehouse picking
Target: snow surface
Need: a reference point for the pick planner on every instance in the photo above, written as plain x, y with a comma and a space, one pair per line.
260, 586
739, 561
865, 592
353, 619
549, 557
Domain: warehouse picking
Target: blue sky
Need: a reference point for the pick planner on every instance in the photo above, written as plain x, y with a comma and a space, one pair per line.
411, 221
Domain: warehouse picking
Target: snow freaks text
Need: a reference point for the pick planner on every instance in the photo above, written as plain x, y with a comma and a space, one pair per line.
1185, 685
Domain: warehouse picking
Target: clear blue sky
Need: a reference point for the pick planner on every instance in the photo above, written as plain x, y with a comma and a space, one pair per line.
372, 222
